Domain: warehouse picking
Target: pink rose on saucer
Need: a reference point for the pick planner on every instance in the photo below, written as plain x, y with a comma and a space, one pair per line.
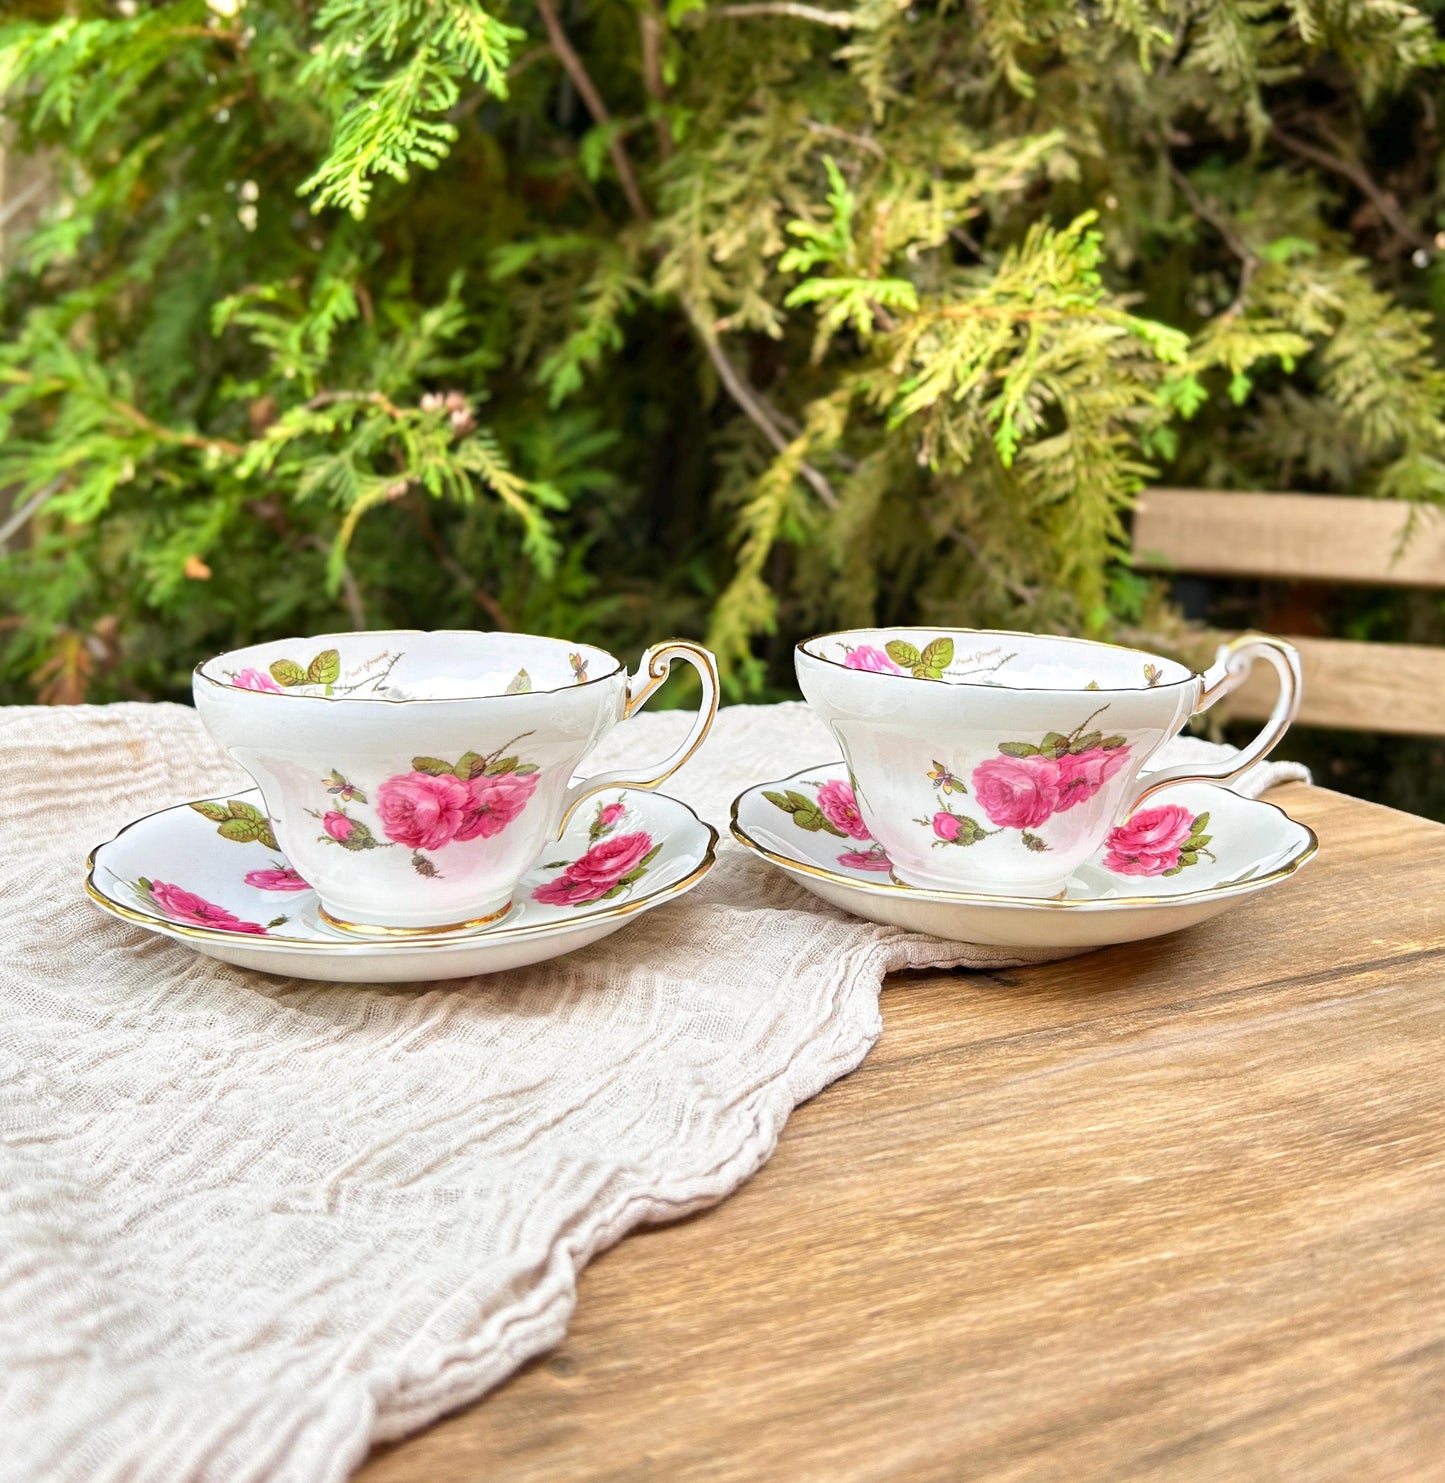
593, 875
1017, 792
609, 814
421, 810
1149, 843
493, 802
866, 860
867, 657
337, 825
840, 808
1081, 776
255, 679
282, 877
185, 906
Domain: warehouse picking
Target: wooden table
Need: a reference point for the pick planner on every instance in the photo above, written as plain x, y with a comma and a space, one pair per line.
1167, 1211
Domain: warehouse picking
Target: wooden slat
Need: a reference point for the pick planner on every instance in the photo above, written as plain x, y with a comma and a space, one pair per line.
1398, 688
1168, 1211
1289, 537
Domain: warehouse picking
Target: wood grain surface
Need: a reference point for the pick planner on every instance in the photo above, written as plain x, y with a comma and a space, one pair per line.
1174, 1210
1289, 537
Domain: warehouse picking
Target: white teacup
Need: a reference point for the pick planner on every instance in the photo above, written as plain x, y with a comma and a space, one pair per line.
996, 762
413, 778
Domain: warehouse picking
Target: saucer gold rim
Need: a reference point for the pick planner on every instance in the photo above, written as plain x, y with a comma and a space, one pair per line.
362, 945
794, 865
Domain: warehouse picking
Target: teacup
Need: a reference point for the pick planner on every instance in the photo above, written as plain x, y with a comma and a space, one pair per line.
413, 778
995, 762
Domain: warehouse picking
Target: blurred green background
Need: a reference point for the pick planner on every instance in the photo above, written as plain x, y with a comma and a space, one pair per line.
615, 319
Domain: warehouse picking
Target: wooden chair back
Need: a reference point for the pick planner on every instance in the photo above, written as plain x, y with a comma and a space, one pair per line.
1397, 688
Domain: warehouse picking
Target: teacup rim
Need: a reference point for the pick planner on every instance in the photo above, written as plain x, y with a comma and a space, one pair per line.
571, 688
800, 648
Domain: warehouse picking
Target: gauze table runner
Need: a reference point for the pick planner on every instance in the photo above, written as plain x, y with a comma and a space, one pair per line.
250, 1226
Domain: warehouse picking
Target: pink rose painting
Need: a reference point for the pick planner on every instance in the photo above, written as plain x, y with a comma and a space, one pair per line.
873, 859
279, 878
1081, 775
1017, 792
609, 814
255, 679
946, 826
338, 825
608, 865
1153, 841
185, 906
840, 808
422, 810
867, 657
493, 802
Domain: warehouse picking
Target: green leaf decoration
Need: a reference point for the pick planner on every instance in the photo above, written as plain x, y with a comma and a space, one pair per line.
1201, 822
325, 668
519, 684
244, 831
215, 812
1110, 742
433, 765
617, 890
470, 765
1054, 744
287, 672
239, 810
423, 866
527, 769
1033, 842
650, 856
501, 765
1018, 749
970, 831
1087, 743
938, 656
903, 654
278, 921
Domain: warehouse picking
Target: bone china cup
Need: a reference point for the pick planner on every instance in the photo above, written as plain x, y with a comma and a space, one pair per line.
413, 778
993, 762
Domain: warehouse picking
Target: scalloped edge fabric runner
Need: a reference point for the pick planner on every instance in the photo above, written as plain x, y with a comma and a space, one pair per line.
250, 1226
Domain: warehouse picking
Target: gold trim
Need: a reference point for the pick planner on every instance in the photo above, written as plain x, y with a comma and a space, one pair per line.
659, 665
375, 931
1003, 633
795, 866
618, 667
294, 945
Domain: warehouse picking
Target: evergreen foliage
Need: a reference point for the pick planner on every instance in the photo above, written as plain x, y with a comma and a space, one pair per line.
737, 318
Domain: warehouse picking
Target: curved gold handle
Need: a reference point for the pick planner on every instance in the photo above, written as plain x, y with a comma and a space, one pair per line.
1232, 662
656, 664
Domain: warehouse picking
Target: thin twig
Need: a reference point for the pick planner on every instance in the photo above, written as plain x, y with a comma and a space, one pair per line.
1016, 590
650, 24
1360, 178
752, 403
17, 204
20, 516
1248, 259
577, 71
375, 398
842, 20
832, 131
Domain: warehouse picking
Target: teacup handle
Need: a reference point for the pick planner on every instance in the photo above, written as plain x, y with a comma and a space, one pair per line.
656, 663
1232, 663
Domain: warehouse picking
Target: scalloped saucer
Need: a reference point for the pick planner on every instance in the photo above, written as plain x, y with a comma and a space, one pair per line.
1214, 849
174, 873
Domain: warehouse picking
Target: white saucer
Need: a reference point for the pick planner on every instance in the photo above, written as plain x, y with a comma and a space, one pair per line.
1241, 847
174, 873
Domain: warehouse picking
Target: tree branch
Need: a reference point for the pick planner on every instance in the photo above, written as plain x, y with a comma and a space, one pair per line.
375, 398
650, 24
1249, 260
577, 71
1360, 178
842, 20
753, 405
1026, 595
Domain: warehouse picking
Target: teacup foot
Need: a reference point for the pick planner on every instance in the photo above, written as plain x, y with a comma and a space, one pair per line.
369, 930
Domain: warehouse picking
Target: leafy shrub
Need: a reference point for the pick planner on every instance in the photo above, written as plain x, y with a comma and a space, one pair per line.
738, 318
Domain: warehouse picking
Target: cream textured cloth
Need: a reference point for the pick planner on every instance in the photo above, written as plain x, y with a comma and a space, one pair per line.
251, 1225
